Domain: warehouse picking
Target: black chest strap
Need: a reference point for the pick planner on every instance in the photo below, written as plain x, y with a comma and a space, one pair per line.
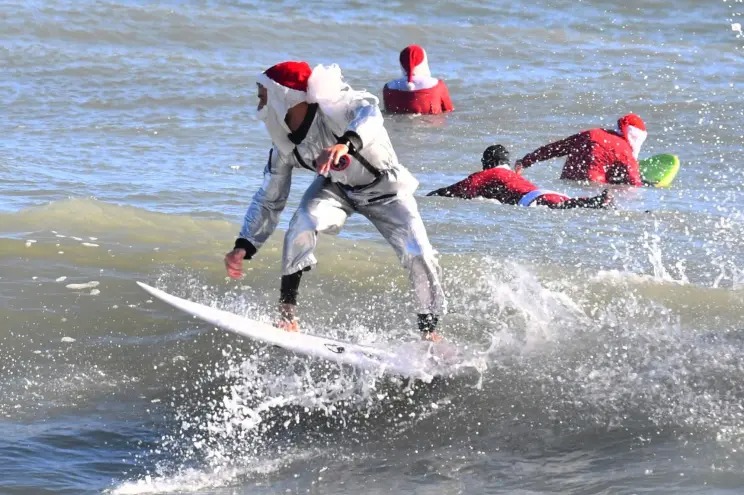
301, 161
365, 163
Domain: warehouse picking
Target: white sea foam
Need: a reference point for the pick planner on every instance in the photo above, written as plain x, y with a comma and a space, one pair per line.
86, 285
188, 480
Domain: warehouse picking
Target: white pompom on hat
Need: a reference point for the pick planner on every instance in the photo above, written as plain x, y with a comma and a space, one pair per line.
325, 84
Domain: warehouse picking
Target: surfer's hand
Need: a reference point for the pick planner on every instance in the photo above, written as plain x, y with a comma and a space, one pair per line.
330, 156
234, 262
518, 167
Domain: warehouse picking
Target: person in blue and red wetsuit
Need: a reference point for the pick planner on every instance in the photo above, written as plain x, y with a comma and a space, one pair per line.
498, 181
598, 155
416, 91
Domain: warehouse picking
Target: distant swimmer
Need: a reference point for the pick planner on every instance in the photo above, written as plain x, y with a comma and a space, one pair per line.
598, 155
417, 91
498, 181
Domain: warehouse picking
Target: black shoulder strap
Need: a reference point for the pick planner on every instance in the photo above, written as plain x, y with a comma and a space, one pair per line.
365, 163
301, 161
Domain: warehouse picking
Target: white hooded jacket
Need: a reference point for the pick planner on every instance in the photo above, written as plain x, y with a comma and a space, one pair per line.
373, 174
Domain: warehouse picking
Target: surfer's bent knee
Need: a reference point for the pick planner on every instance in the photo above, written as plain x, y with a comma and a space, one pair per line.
302, 221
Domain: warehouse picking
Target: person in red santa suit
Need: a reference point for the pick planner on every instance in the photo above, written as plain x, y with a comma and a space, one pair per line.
598, 155
416, 91
498, 181
318, 122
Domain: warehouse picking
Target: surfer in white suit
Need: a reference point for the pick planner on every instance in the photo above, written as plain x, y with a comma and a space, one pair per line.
318, 122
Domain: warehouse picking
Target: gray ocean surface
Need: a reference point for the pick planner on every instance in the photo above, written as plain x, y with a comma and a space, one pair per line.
607, 346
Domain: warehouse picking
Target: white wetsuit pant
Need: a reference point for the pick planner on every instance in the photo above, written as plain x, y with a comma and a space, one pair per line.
325, 208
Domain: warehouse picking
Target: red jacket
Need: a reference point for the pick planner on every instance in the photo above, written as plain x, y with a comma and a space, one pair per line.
501, 184
432, 100
597, 155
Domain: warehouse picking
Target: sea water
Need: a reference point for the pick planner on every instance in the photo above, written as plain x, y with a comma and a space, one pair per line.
610, 342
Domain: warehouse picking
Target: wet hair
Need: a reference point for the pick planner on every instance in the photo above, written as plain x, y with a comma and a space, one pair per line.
495, 155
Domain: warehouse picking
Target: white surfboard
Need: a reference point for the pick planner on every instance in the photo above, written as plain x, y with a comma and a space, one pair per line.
410, 360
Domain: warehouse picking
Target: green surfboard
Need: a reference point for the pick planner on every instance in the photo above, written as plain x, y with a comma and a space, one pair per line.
659, 170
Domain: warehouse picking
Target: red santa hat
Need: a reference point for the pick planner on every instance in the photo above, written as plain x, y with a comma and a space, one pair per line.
286, 86
292, 74
293, 82
630, 119
414, 62
633, 129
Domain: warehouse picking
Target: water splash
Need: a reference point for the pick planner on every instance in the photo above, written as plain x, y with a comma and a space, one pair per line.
554, 358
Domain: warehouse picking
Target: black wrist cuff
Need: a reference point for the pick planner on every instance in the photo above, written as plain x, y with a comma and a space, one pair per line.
352, 140
427, 323
250, 249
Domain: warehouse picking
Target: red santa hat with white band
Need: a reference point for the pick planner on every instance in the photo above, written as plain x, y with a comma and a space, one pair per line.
633, 129
286, 84
414, 62
297, 82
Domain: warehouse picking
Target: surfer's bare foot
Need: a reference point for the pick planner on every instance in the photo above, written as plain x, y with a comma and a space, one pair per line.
288, 325
287, 319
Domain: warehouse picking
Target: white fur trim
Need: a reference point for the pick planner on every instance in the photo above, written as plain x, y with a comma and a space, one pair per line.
422, 69
327, 88
325, 83
635, 138
529, 198
402, 83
